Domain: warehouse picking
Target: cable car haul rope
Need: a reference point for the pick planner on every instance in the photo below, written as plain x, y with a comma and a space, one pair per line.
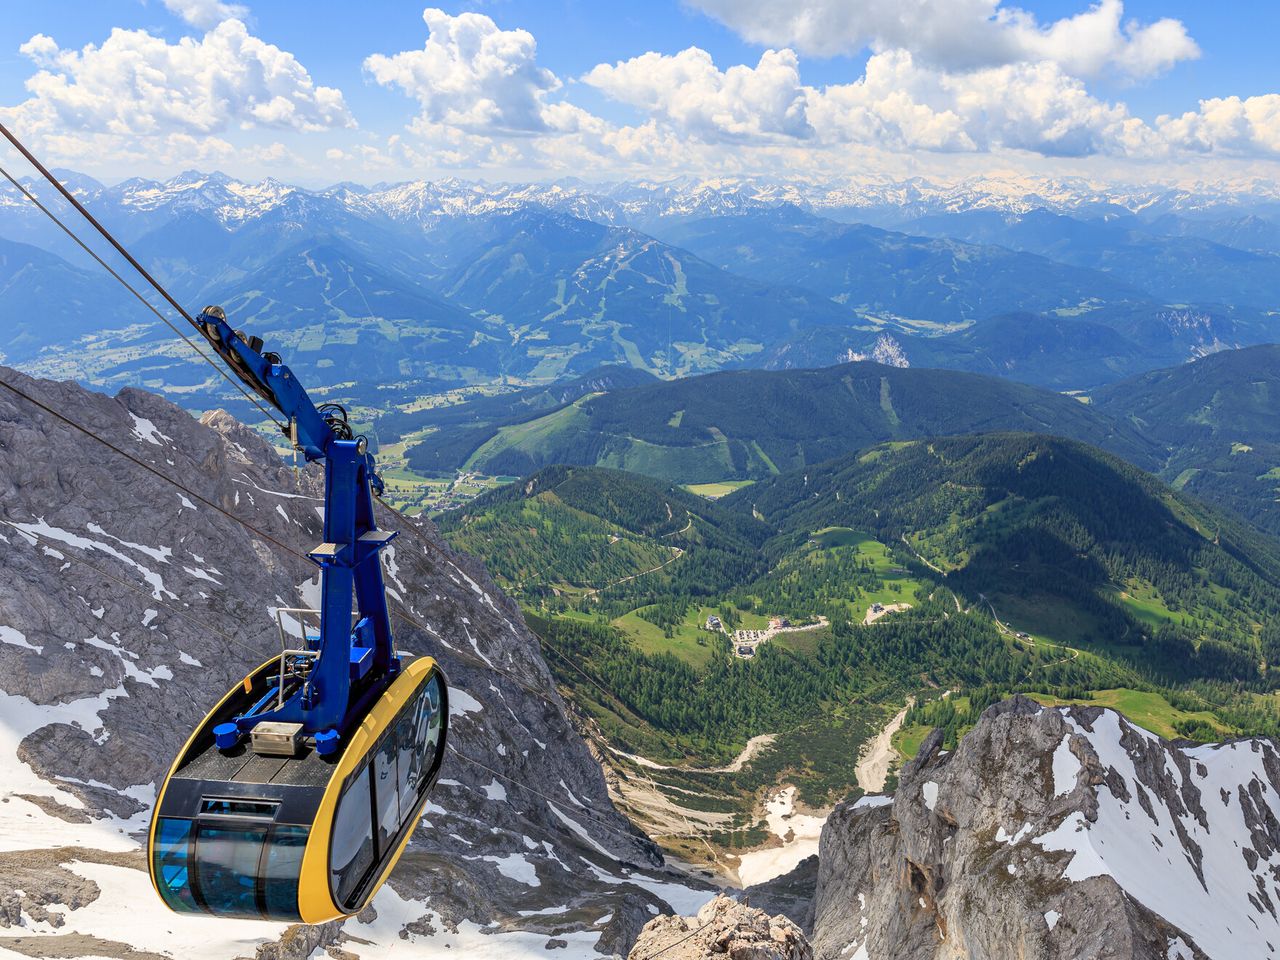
296, 795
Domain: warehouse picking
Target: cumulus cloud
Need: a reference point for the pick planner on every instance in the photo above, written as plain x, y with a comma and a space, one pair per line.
898, 104
206, 13
474, 76
963, 34
1231, 125
901, 104
138, 86
948, 76
690, 92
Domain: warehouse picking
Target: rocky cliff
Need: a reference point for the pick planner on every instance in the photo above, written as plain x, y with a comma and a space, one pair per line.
723, 928
127, 607
1058, 834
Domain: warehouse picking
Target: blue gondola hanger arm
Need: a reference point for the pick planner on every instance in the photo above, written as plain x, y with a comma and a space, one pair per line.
343, 656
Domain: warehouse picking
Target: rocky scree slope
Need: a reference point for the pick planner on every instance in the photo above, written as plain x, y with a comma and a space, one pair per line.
723, 928
1058, 833
127, 609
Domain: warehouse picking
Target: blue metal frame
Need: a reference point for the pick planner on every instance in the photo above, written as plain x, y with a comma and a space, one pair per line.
349, 561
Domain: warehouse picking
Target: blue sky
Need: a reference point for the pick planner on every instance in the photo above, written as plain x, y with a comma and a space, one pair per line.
520, 89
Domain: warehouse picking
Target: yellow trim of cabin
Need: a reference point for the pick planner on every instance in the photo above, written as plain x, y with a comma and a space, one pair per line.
315, 897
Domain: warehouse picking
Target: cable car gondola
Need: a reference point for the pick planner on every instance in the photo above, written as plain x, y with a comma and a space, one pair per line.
297, 794
308, 838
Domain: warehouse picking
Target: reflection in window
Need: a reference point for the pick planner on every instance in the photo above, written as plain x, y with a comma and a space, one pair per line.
351, 853
283, 868
405, 751
418, 733
397, 770
172, 876
227, 859
430, 737
386, 791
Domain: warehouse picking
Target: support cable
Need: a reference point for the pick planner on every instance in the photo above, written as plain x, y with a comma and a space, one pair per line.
405, 617
57, 184
141, 299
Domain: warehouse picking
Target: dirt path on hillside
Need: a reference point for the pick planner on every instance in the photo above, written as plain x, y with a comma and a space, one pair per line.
754, 746
916, 553
874, 615
873, 766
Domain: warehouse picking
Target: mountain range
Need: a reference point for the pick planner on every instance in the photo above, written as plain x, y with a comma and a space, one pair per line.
752, 423
448, 283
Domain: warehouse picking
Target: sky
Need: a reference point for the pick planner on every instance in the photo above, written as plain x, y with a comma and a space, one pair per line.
314, 93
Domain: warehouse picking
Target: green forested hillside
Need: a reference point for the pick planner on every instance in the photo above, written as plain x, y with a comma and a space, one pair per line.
570, 529
753, 423
1216, 420
982, 565
1070, 542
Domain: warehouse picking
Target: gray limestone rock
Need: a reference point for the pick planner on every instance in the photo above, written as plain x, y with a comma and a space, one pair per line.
723, 928
1057, 834
128, 607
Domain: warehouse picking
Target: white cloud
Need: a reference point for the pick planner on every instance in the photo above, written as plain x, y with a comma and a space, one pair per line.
137, 86
901, 105
1227, 125
963, 34
897, 104
690, 92
960, 76
474, 76
206, 13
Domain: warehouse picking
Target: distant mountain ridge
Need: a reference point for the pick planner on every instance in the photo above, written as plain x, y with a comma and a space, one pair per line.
754, 423
455, 283
642, 200
1216, 419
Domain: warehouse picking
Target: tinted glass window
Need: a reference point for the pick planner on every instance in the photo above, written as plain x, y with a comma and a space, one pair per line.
351, 853
406, 750
430, 740
227, 867
283, 866
418, 733
172, 877
387, 791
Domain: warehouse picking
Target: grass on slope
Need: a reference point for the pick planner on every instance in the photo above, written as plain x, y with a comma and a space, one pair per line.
690, 642
1149, 710
532, 434
718, 488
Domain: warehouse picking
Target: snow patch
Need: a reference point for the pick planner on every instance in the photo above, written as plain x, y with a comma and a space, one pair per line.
461, 702
798, 832
517, 867
144, 431
930, 793
1066, 768
1002, 837
1072, 835
873, 800
16, 639
33, 531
